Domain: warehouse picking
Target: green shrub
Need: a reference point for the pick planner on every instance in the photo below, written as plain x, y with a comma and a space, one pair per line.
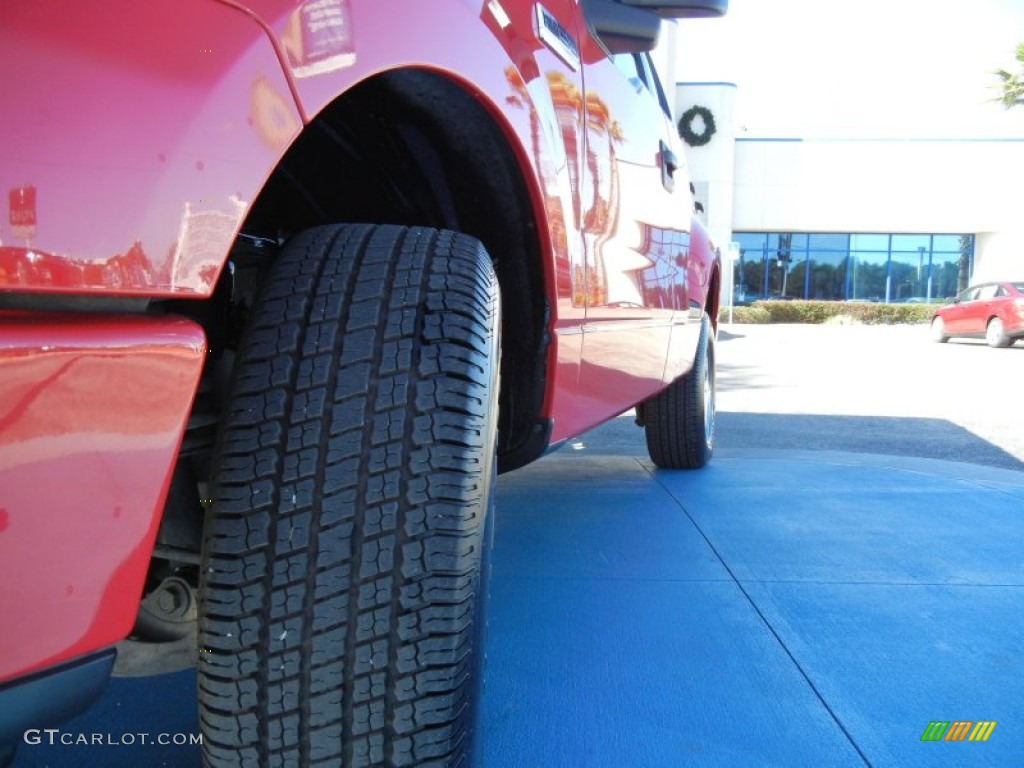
817, 312
755, 315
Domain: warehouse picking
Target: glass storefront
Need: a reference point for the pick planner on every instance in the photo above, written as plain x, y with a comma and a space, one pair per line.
851, 267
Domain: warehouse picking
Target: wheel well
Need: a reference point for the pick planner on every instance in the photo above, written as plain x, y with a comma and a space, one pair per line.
413, 147
714, 297
408, 147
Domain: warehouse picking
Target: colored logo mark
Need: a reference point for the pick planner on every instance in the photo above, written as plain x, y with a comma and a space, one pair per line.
958, 730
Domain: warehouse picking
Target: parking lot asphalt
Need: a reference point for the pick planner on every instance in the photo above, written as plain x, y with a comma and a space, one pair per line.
848, 570
871, 389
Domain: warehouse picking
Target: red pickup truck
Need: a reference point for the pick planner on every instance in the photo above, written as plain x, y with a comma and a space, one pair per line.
283, 286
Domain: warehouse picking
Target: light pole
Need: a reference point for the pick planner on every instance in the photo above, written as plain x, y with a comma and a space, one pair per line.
931, 256
732, 254
888, 278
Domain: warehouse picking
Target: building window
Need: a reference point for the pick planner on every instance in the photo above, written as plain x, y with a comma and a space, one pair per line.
828, 258
867, 273
851, 267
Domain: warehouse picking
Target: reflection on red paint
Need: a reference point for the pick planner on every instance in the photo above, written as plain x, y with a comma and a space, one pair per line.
91, 415
505, 25
272, 115
193, 259
117, 119
32, 267
319, 38
22, 203
203, 236
567, 114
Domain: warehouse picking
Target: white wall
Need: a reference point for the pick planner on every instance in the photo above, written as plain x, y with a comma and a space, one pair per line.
999, 255
711, 166
877, 185
936, 187
860, 185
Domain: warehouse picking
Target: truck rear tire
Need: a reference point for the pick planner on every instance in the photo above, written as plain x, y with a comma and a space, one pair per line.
342, 586
679, 421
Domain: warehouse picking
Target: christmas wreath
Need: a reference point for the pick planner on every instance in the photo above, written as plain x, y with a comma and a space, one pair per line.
686, 131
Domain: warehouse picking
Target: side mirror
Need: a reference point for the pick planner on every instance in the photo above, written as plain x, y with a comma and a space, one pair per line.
682, 9
633, 26
620, 28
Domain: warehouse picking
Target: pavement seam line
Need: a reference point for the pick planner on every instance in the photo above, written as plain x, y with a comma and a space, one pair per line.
764, 619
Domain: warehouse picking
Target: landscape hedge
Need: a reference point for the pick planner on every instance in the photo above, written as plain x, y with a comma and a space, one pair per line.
816, 312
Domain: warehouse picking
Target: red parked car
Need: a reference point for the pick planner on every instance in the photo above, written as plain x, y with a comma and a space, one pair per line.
990, 311
283, 285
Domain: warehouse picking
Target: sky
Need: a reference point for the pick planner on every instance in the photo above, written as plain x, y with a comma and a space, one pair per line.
860, 68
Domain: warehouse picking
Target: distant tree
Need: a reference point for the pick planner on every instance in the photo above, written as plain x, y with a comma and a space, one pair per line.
964, 262
1012, 85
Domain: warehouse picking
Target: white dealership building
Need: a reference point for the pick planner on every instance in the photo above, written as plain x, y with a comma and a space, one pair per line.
857, 219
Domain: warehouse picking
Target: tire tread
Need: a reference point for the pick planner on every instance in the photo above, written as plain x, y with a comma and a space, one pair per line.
341, 565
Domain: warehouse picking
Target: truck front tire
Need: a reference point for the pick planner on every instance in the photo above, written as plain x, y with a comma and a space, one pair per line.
342, 584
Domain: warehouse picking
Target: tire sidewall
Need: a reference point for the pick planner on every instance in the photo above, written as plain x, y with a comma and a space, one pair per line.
705, 379
994, 333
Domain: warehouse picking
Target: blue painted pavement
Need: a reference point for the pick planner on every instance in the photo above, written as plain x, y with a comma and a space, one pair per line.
778, 608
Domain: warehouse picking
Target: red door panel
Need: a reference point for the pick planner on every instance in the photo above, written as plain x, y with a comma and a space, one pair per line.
634, 231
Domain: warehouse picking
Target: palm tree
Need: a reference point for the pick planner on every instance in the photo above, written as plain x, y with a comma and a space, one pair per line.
1012, 84
964, 262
